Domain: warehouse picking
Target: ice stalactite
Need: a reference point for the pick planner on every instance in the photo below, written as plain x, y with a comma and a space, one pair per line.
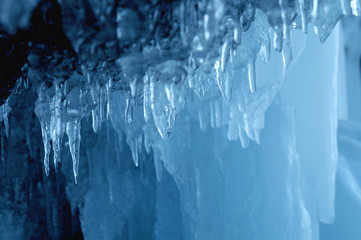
74, 115
49, 110
59, 114
196, 85
212, 71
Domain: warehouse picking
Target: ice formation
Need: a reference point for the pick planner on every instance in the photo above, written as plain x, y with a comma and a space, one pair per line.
229, 111
202, 54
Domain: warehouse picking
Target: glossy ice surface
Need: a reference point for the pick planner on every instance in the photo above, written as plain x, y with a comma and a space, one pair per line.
188, 119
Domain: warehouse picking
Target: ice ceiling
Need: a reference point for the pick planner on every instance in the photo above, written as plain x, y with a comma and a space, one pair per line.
235, 118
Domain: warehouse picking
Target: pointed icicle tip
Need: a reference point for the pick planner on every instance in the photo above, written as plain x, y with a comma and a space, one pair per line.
252, 76
75, 177
129, 110
73, 132
95, 120
243, 137
287, 54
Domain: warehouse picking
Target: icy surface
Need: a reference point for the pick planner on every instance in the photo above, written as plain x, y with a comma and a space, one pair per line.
204, 58
179, 120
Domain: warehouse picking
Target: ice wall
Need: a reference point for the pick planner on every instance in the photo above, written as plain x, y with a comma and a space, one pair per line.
180, 120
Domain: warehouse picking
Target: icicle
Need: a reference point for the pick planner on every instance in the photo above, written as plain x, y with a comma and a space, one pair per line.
140, 145
95, 94
207, 33
102, 98
257, 136
286, 44
18, 86
134, 150
26, 83
287, 54
74, 115
95, 120
130, 101
314, 12
249, 130
237, 35
73, 132
146, 98
285, 21
224, 81
133, 87
88, 78
129, 110
243, 137
109, 86
136, 153
45, 132
225, 55
94, 90
56, 150
152, 92
303, 15
56, 123
252, 76
219, 76
147, 140
168, 93
65, 88
42, 111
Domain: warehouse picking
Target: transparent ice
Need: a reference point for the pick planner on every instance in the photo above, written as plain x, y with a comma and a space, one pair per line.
189, 119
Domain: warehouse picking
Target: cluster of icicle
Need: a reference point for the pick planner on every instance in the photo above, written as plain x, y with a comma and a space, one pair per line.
217, 83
